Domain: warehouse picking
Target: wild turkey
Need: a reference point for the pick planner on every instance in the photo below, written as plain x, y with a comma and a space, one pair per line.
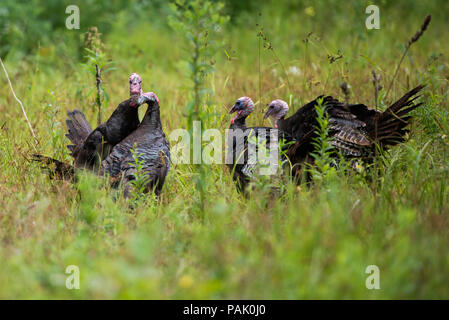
90, 147
243, 155
149, 144
355, 129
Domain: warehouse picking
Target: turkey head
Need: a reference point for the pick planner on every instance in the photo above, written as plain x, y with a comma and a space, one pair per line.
243, 107
277, 110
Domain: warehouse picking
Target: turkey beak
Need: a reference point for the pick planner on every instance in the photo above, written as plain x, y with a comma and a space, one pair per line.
144, 99
268, 113
233, 109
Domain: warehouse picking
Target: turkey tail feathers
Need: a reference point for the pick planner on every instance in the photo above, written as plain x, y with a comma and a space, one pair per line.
78, 128
391, 123
404, 101
56, 169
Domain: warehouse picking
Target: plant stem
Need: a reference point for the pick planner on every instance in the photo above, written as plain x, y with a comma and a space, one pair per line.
413, 39
20, 103
397, 70
260, 74
98, 98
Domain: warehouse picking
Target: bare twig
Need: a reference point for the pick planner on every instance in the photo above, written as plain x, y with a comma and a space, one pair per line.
377, 87
98, 98
269, 46
20, 103
413, 39
260, 77
346, 91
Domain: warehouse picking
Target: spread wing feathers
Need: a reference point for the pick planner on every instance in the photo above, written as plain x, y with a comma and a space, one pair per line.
78, 128
347, 148
339, 116
355, 129
354, 123
350, 135
56, 169
347, 129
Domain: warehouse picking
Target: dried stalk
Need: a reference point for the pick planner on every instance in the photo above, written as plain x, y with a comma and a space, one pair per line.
20, 103
415, 38
377, 87
98, 98
346, 91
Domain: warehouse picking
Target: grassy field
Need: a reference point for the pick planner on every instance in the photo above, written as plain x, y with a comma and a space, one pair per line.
309, 243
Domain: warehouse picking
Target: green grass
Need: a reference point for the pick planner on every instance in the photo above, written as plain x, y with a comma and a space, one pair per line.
310, 243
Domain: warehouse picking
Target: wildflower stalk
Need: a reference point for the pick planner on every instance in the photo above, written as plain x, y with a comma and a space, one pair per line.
322, 143
98, 65
413, 39
194, 20
20, 103
377, 88
98, 97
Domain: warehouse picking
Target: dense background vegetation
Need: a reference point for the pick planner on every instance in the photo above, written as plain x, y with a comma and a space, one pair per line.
308, 243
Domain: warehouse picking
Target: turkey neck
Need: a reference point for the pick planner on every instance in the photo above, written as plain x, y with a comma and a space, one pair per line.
152, 118
282, 124
239, 123
129, 113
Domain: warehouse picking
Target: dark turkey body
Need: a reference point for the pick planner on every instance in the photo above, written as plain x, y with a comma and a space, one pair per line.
149, 143
243, 155
89, 150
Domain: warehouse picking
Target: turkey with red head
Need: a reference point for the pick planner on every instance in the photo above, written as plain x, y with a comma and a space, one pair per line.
149, 144
89, 147
355, 129
244, 143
